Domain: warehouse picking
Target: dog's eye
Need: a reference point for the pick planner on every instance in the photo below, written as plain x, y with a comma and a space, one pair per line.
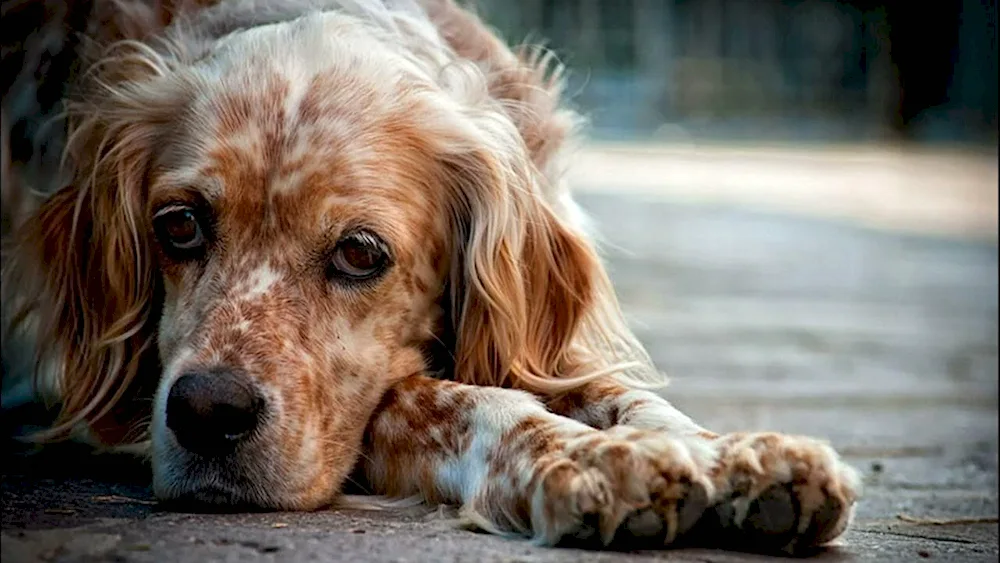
358, 256
178, 228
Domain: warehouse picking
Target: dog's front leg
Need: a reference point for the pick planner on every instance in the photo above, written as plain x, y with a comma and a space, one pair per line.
606, 402
517, 467
772, 491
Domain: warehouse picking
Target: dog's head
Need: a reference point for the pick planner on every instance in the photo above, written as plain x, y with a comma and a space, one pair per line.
275, 226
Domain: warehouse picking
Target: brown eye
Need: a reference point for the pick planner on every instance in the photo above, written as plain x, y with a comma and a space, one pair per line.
358, 256
179, 229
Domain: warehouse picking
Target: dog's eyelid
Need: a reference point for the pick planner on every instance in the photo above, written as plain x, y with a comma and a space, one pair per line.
369, 238
189, 198
371, 247
173, 208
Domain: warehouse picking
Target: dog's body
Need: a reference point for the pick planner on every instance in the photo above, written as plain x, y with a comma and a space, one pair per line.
332, 236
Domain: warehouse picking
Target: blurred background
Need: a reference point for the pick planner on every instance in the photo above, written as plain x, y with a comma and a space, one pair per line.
807, 70
879, 112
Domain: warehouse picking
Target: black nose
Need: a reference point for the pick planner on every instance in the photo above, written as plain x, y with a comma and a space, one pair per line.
211, 411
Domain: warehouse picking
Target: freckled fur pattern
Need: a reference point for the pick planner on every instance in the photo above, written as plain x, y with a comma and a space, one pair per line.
488, 367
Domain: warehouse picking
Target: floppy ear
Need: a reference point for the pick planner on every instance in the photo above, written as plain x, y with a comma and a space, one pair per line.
531, 304
86, 281
80, 277
521, 281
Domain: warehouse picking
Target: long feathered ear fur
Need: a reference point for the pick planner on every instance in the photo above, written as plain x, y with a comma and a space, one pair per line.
531, 304
521, 281
79, 280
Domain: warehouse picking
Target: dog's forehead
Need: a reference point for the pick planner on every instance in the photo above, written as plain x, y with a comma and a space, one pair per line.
326, 132
283, 129
307, 151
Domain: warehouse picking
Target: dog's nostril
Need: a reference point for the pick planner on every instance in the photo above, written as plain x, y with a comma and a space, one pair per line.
210, 411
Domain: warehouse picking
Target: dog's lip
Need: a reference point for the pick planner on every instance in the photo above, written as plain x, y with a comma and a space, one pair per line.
210, 498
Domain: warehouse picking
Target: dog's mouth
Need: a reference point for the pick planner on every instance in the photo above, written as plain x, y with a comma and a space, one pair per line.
212, 499
223, 484
193, 484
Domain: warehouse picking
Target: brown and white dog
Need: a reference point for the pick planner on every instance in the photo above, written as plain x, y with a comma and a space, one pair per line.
299, 239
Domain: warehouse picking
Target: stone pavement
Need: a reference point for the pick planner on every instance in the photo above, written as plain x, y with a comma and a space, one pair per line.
883, 342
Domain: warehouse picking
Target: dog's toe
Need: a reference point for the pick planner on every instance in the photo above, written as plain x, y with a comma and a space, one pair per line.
772, 513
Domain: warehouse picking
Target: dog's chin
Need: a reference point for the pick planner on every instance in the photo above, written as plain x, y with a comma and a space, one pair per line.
204, 489
191, 483
236, 483
220, 497
213, 499
217, 493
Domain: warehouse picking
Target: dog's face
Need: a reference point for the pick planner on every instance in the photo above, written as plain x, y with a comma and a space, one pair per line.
274, 227
300, 232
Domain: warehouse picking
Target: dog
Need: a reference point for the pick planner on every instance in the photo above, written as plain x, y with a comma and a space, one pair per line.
299, 243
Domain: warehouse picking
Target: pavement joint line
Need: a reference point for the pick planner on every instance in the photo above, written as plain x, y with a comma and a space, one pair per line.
916, 536
946, 521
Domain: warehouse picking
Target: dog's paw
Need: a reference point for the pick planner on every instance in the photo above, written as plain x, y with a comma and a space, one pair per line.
779, 492
622, 484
